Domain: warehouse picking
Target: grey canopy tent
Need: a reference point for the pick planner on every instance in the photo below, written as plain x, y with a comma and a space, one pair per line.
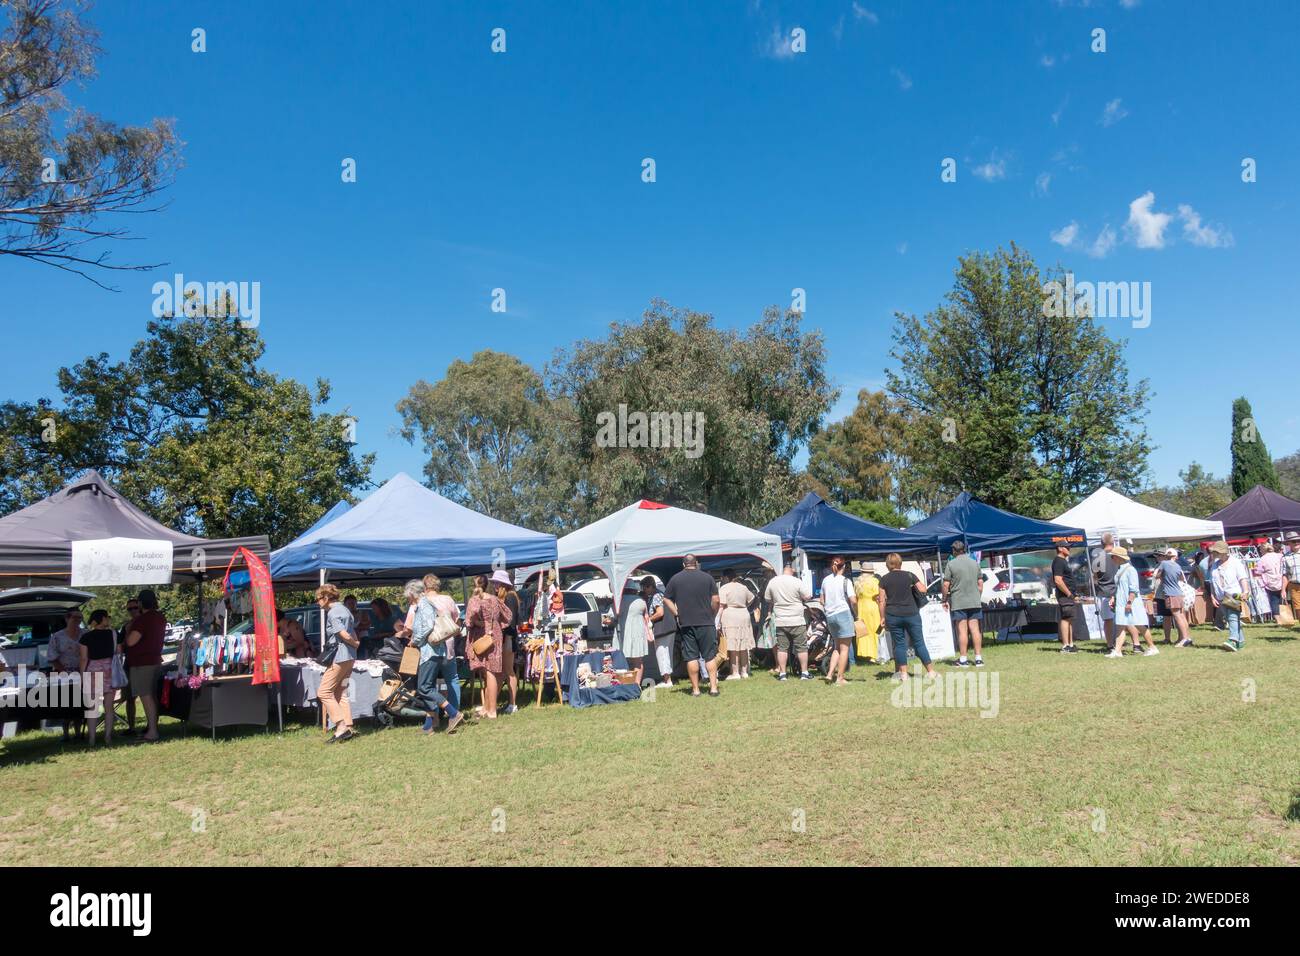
36, 543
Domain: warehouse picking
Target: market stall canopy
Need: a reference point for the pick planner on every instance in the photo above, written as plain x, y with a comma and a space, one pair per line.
620, 543
405, 530
1129, 520
818, 528
1259, 512
37, 543
338, 511
985, 528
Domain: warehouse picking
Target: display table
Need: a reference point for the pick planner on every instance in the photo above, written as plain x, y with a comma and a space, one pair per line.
300, 681
233, 701
578, 696
44, 698
1028, 619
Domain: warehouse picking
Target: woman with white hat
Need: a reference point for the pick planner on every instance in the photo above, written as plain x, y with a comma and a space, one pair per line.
1130, 609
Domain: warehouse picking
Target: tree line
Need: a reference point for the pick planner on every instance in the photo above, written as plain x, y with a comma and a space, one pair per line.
986, 394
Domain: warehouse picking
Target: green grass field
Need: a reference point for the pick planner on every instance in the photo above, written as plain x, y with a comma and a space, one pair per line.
1160, 761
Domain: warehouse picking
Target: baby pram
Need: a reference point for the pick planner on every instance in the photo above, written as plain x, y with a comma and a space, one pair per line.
397, 696
820, 644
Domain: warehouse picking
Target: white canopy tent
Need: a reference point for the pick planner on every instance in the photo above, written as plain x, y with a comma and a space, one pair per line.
620, 543
1129, 520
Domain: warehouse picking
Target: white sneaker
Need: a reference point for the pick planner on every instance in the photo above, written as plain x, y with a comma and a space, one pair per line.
732, 677
1115, 655
664, 684
1150, 652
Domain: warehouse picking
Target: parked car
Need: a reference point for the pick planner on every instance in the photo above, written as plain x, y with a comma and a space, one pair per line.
28, 616
178, 631
998, 585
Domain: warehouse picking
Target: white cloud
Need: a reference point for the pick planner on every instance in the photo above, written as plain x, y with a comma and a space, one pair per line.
837, 31
1129, 4
994, 169
1145, 227
1057, 113
1113, 113
1101, 246
862, 13
1042, 183
902, 248
904, 81
1066, 235
778, 45
1199, 235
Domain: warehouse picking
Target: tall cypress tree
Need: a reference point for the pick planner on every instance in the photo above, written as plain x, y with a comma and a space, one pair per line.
1251, 463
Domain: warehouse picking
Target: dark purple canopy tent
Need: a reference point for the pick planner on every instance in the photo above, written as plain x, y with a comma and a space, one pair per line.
1258, 513
36, 542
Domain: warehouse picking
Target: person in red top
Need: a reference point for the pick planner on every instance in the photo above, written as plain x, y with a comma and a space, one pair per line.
144, 647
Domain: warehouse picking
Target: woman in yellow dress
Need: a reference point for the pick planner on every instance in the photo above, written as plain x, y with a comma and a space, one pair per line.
868, 587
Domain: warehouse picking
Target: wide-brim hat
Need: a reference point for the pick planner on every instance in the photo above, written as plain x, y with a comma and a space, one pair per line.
1292, 536
500, 576
1118, 552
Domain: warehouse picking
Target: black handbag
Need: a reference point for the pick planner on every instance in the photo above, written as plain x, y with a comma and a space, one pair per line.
327, 654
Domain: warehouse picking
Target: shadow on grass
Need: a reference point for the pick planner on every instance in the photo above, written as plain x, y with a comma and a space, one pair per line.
1293, 814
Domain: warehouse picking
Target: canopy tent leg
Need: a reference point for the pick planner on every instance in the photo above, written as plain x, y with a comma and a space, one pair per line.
319, 705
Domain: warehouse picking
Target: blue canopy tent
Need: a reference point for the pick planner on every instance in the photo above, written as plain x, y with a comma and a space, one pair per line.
240, 579
340, 508
985, 528
402, 531
817, 528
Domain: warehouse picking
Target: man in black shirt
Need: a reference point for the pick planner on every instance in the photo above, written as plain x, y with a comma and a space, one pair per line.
1064, 597
692, 596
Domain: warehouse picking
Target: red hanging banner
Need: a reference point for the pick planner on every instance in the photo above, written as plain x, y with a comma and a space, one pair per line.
266, 656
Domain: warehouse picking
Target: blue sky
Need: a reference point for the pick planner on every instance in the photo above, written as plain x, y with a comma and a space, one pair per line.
775, 169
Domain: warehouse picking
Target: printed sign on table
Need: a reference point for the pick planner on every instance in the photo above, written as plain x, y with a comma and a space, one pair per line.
108, 561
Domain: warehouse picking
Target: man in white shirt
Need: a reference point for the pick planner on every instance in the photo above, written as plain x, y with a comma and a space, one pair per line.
786, 595
1231, 589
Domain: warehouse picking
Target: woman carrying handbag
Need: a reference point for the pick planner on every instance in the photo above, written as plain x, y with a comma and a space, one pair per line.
338, 655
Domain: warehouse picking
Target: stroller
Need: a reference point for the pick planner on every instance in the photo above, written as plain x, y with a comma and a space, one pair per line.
820, 644
397, 696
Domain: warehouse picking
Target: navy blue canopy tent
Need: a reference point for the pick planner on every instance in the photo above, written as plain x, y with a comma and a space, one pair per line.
818, 528
402, 531
985, 528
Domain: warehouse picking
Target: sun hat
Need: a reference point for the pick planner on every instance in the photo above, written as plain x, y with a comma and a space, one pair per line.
1118, 552
1293, 536
501, 576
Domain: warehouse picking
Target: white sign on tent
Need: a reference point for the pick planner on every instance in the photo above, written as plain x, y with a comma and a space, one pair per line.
103, 562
